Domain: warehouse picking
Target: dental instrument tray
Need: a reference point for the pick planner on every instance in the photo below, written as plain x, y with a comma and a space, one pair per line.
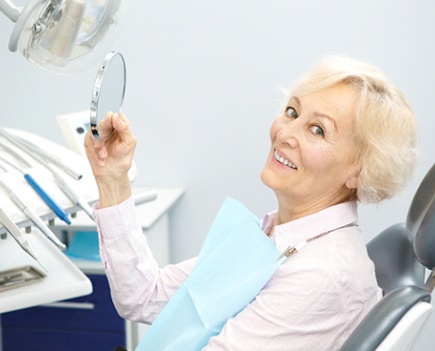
18, 277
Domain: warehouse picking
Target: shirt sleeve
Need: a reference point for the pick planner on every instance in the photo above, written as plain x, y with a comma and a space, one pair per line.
139, 288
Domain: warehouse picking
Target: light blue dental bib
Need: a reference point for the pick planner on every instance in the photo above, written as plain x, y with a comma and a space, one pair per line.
235, 262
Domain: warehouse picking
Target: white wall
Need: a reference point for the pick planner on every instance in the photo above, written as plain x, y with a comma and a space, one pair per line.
205, 81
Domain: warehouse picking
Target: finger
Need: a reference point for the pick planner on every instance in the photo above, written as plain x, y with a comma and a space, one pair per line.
87, 139
122, 125
119, 122
95, 149
105, 127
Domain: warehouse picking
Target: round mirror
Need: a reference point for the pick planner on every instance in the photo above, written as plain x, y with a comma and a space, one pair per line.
109, 89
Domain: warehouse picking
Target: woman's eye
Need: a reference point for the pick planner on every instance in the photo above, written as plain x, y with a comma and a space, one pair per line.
318, 130
291, 112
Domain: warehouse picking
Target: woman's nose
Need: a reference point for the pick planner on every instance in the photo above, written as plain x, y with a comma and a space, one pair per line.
290, 134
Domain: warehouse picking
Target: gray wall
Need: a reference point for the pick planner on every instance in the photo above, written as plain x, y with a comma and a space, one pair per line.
206, 79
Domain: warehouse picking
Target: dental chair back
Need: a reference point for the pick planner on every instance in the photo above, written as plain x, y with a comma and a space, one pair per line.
401, 254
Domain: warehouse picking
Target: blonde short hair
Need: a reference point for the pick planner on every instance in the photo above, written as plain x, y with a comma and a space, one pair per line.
385, 132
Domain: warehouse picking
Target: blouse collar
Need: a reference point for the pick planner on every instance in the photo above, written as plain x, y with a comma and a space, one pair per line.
293, 232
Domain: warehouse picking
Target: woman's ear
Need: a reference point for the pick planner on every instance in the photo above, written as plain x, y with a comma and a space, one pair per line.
353, 181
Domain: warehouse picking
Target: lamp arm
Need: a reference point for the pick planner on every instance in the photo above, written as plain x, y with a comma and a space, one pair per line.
10, 10
21, 21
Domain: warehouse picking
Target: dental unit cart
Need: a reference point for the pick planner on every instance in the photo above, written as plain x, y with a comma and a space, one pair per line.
49, 301
89, 322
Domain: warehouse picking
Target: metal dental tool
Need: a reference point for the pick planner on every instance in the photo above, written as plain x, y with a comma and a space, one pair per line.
18, 235
72, 195
17, 277
75, 198
31, 214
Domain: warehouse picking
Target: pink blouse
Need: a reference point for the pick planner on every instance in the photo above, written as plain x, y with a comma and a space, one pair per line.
313, 301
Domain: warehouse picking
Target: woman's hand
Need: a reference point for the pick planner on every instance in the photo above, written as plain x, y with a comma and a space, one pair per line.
111, 157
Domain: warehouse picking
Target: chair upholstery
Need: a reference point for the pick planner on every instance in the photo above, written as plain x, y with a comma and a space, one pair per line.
396, 264
421, 221
408, 329
375, 327
401, 253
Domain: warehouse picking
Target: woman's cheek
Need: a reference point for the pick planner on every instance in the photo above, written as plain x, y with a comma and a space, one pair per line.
274, 129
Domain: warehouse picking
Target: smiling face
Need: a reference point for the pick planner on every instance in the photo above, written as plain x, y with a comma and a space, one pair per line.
312, 163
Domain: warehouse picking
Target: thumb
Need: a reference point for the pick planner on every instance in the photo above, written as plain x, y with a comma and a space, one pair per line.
101, 152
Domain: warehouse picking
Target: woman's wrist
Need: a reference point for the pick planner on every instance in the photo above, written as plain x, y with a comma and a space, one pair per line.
113, 192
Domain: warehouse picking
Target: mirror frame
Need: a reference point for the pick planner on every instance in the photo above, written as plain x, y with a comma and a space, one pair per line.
97, 89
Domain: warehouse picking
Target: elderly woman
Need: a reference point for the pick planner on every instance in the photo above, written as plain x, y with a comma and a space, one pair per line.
346, 135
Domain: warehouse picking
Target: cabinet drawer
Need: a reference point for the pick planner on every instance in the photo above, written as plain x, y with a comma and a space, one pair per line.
48, 340
92, 312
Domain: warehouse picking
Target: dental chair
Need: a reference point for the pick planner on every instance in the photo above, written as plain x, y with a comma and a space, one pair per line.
401, 254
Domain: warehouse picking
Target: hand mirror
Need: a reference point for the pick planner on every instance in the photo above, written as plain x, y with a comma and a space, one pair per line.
109, 89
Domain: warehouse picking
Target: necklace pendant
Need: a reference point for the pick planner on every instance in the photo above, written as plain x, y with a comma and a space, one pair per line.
287, 252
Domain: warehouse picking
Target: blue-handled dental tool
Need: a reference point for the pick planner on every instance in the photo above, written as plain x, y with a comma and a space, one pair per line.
45, 160
63, 185
31, 214
43, 194
55, 207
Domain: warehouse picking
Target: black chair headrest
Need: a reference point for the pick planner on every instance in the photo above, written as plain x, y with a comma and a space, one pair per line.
420, 222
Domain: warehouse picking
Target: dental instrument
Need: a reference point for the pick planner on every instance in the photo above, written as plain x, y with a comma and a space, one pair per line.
18, 235
56, 208
72, 195
49, 201
17, 277
75, 198
64, 36
31, 214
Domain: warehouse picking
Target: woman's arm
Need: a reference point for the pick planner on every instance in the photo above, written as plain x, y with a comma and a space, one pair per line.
111, 157
139, 288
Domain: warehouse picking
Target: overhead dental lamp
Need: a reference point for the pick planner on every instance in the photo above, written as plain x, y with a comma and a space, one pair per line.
64, 36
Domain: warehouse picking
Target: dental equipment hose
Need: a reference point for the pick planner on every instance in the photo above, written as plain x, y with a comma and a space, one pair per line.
16, 155
31, 149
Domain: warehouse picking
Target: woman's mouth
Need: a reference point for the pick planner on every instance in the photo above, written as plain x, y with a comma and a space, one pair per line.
283, 161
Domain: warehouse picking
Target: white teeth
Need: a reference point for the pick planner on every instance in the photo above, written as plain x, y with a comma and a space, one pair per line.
282, 160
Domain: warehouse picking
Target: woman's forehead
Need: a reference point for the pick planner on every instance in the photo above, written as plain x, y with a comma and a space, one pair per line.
335, 102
